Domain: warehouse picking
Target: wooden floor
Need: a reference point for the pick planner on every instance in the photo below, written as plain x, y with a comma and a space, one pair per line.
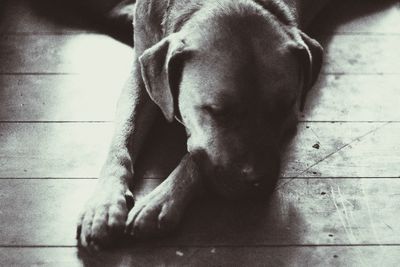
336, 205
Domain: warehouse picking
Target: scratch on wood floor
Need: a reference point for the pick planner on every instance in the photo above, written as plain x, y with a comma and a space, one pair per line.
355, 140
316, 135
345, 221
342, 211
388, 226
371, 221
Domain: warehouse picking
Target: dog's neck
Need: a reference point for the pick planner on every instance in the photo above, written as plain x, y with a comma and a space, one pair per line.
302, 11
297, 13
178, 12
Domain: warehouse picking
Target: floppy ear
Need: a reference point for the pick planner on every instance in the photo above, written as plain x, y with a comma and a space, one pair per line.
311, 54
157, 67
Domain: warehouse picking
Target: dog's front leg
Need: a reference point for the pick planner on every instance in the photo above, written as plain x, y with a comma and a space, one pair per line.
161, 210
104, 217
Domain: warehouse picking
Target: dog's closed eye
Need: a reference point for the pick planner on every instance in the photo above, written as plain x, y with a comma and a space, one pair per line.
223, 113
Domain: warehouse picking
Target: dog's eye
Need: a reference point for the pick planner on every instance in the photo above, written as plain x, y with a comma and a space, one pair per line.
213, 109
217, 112
222, 114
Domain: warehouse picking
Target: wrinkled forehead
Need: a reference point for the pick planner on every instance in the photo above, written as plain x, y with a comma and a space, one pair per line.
238, 57
237, 69
242, 51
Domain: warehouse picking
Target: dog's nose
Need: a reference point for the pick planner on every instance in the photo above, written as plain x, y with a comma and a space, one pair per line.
251, 176
247, 170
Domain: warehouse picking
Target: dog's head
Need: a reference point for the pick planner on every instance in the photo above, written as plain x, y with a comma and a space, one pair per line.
236, 79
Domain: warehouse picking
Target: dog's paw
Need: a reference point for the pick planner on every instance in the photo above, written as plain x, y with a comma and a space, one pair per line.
156, 214
103, 220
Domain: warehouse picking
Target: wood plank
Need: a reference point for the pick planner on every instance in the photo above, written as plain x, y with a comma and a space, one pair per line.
359, 17
75, 150
374, 152
361, 54
377, 153
41, 19
93, 98
302, 212
207, 256
94, 53
354, 98
79, 53
315, 142
51, 150
59, 97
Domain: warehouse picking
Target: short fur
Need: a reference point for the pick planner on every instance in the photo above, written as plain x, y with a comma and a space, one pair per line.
234, 73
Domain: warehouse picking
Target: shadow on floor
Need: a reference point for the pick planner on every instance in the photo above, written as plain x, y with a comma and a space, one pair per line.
342, 11
84, 15
335, 14
209, 234
210, 223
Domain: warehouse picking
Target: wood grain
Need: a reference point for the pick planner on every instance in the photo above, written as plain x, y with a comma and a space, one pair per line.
77, 150
354, 98
80, 53
39, 18
57, 72
359, 158
361, 54
95, 53
53, 150
302, 212
94, 98
59, 97
211, 256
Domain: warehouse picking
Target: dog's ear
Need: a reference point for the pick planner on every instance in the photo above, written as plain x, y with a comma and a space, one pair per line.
311, 54
159, 67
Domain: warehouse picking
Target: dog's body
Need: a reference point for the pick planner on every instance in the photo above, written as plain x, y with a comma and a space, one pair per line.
234, 73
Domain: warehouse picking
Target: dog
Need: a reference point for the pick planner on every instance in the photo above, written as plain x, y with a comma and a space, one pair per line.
235, 74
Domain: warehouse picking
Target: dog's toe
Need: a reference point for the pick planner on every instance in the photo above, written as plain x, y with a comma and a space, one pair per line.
99, 231
102, 222
130, 222
168, 218
152, 216
146, 223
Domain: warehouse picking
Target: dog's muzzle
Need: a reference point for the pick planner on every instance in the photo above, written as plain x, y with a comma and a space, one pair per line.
243, 182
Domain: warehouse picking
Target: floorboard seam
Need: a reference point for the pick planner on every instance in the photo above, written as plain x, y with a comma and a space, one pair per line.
160, 178
358, 139
110, 121
216, 246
